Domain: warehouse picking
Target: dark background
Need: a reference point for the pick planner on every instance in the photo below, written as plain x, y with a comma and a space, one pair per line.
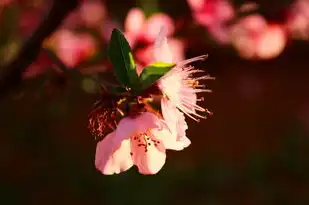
252, 151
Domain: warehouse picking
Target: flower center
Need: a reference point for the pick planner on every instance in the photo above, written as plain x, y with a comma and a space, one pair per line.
145, 140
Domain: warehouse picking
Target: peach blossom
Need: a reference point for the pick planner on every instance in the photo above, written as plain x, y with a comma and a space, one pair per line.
214, 15
298, 20
272, 42
254, 38
175, 121
178, 85
144, 55
92, 12
138, 27
140, 141
154, 24
73, 48
134, 22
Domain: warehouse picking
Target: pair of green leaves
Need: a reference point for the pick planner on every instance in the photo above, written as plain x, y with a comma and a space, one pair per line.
120, 55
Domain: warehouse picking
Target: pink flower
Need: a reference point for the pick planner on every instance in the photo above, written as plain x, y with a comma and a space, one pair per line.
92, 12
145, 57
253, 37
213, 14
175, 121
272, 42
154, 24
140, 141
134, 24
138, 27
178, 85
298, 20
73, 48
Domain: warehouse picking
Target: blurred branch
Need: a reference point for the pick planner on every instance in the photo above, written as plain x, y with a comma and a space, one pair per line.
11, 74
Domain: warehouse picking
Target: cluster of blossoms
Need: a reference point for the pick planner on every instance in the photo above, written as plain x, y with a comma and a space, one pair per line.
253, 36
85, 31
72, 43
148, 117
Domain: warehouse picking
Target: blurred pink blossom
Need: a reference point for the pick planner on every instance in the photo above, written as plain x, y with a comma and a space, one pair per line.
134, 23
137, 27
272, 42
144, 55
73, 48
92, 12
253, 37
214, 15
155, 23
72, 20
298, 20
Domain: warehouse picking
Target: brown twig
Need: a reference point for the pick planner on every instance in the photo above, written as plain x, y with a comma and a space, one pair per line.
11, 74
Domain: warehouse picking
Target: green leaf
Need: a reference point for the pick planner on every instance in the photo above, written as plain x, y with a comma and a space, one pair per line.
154, 72
120, 55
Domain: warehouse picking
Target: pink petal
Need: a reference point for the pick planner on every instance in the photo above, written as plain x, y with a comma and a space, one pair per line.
155, 23
128, 126
112, 157
174, 138
162, 52
92, 12
271, 43
134, 21
177, 47
169, 140
168, 112
196, 4
149, 158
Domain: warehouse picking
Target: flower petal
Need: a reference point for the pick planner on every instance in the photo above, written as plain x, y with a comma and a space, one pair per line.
170, 142
148, 153
130, 126
177, 126
174, 119
162, 52
112, 157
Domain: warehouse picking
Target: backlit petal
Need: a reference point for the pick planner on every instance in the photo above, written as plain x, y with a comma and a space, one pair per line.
129, 126
148, 153
112, 157
175, 137
162, 52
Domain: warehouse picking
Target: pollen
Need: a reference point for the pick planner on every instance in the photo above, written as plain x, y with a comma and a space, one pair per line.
145, 140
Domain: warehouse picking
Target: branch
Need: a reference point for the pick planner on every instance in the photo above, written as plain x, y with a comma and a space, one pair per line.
11, 74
